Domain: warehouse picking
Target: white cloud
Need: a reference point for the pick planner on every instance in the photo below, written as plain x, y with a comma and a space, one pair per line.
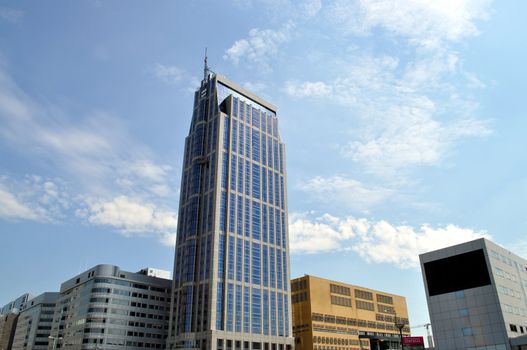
94, 149
260, 47
426, 23
11, 15
408, 114
32, 198
345, 191
12, 208
308, 89
99, 158
130, 216
374, 241
168, 74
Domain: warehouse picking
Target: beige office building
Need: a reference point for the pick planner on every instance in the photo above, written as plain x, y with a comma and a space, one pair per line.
329, 315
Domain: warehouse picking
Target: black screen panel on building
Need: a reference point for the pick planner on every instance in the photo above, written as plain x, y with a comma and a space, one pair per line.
458, 272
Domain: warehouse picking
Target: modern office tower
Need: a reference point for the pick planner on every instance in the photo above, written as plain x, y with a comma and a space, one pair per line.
329, 315
7, 330
476, 294
16, 305
107, 308
34, 323
231, 270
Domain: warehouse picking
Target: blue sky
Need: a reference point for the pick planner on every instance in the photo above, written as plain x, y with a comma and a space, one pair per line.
403, 122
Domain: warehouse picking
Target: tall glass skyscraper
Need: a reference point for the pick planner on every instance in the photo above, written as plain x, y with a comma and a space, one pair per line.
231, 270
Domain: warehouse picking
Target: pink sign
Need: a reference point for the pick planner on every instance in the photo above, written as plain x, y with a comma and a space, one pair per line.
413, 341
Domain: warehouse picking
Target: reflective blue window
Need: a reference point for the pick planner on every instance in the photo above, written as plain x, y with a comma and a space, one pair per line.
246, 310
209, 254
285, 283
282, 197
271, 225
224, 165
265, 263
273, 313
269, 124
264, 222
264, 185
275, 154
266, 312
276, 190
235, 106
226, 133
223, 207
256, 181
239, 216
264, 149
256, 272
188, 307
272, 265
232, 211
247, 176
278, 235
275, 126
247, 218
256, 220
221, 255
234, 145
271, 192
256, 145
256, 118
242, 110
280, 315
240, 174
230, 264
239, 257
283, 230
210, 214
230, 306
278, 269
247, 261
238, 325
269, 152
257, 311
281, 160
219, 307
197, 141
242, 139
248, 141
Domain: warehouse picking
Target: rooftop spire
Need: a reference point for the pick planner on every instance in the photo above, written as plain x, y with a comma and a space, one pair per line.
205, 66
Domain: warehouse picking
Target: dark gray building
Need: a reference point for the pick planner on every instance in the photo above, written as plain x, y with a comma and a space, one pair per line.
34, 323
107, 308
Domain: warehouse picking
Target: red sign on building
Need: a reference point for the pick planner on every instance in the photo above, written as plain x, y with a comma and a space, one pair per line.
413, 341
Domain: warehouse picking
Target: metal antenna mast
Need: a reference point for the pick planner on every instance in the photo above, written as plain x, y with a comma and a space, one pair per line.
206, 66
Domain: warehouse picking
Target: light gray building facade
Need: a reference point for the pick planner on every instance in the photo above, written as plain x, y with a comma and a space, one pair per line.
108, 308
16, 305
476, 294
231, 269
34, 323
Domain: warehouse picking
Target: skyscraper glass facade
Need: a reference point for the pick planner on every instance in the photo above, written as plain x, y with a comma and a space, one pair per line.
231, 270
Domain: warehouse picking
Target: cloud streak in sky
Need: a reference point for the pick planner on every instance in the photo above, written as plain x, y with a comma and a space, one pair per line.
95, 152
374, 241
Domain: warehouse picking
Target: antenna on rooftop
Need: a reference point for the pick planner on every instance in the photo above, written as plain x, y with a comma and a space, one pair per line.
205, 66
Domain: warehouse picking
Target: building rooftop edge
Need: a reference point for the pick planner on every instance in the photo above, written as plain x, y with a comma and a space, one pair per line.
245, 92
349, 284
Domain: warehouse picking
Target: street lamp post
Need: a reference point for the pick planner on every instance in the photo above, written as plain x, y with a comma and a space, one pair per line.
400, 325
55, 341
